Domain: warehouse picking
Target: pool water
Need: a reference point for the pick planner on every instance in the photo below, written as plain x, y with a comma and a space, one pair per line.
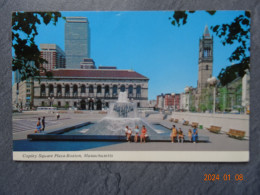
25, 145
79, 131
161, 129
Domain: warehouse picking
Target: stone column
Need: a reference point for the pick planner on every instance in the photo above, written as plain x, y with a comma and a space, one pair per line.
79, 86
134, 91
71, 90
95, 90
55, 90
110, 91
118, 90
62, 90
102, 91
95, 105
47, 90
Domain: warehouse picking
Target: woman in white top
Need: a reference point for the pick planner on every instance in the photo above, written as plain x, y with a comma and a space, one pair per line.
129, 133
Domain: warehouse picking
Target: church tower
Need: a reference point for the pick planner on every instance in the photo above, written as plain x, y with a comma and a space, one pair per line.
205, 60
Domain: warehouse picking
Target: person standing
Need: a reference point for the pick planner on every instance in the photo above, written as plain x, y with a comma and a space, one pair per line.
58, 116
38, 125
43, 123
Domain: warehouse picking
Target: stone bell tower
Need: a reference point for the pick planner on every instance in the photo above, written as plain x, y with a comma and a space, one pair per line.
205, 60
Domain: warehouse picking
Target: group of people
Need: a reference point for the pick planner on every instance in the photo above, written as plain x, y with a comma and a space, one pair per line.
40, 126
178, 134
143, 135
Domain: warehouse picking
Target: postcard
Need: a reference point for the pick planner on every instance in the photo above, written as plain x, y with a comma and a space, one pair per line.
169, 86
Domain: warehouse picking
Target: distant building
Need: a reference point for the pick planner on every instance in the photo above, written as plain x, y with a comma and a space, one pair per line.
77, 44
22, 94
54, 55
168, 101
90, 89
87, 63
184, 102
107, 67
151, 103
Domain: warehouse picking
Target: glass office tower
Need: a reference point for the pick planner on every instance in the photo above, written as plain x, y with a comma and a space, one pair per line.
76, 41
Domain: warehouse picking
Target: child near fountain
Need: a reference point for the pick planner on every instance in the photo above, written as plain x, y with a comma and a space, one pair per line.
136, 133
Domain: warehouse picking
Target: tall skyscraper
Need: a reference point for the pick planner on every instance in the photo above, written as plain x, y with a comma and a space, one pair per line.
76, 41
205, 59
54, 55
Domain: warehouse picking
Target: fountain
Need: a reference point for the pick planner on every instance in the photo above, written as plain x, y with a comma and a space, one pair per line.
121, 113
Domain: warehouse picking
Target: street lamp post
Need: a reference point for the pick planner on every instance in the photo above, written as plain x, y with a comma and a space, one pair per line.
213, 82
187, 91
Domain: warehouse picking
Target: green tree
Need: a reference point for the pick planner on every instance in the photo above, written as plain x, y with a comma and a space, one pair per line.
24, 31
238, 31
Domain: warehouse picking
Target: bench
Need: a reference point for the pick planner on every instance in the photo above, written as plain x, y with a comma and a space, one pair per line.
176, 120
62, 111
236, 133
194, 124
78, 112
102, 112
214, 129
186, 123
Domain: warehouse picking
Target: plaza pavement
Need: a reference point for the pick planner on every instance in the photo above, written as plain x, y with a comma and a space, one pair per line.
25, 123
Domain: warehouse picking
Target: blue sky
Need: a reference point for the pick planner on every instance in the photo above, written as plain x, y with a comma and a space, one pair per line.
146, 42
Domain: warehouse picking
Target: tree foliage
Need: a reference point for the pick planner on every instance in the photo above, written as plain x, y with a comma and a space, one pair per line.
238, 31
27, 59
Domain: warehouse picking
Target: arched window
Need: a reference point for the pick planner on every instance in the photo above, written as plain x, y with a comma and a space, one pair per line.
67, 90
130, 90
138, 91
106, 90
122, 88
99, 89
51, 91
83, 89
75, 90
114, 90
58, 90
91, 89
43, 92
